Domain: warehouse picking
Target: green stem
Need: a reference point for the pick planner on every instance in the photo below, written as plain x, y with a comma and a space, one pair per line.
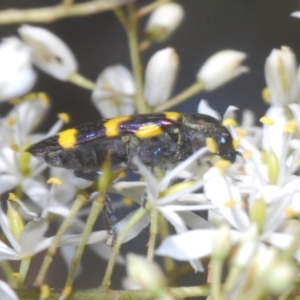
153, 234
150, 7
97, 207
169, 265
24, 267
216, 267
121, 17
8, 272
232, 278
139, 214
194, 89
81, 81
52, 13
137, 68
79, 202
97, 294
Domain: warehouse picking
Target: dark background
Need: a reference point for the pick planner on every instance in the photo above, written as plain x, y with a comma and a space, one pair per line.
251, 26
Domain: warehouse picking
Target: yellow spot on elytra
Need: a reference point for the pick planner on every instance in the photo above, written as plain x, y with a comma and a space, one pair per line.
12, 197
148, 130
266, 121
175, 116
64, 117
45, 291
67, 139
236, 143
211, 145
290, 126
291, 213
112, 125
229, 122
54, 180
230, 203
266, 95
247, 155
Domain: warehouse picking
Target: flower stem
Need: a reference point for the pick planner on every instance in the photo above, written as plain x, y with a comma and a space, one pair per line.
153, 234
24, 267
97, 207
81, 81
194, 89
79, 202
290, 251
139, 214
132, 35
50, 14
164, 231
150, 7
8, 271
216, 267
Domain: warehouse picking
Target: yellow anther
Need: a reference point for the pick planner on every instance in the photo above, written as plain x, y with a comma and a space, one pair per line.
127, 202
64, 117
290, 213
11, 121
222, 164
229, 122
15, 147
241, 132
67, 292
45, 291
12, 197
266, 121
230, 203
44, 97
55, 181
247, 155
266, 95
211, 145
290, 126
15, 101
298, 161
15, 275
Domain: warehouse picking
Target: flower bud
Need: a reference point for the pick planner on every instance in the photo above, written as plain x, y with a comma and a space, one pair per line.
16, 74
145, 273
281, 76
114, 92
16, 223
220, 68
49, 53
164, 21
161, 73
281, 277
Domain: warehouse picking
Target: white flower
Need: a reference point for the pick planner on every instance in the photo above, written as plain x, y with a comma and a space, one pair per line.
6, 292
160, 76
281, 77
114, 92
163, 21
49, 52
221, 68
16, 74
